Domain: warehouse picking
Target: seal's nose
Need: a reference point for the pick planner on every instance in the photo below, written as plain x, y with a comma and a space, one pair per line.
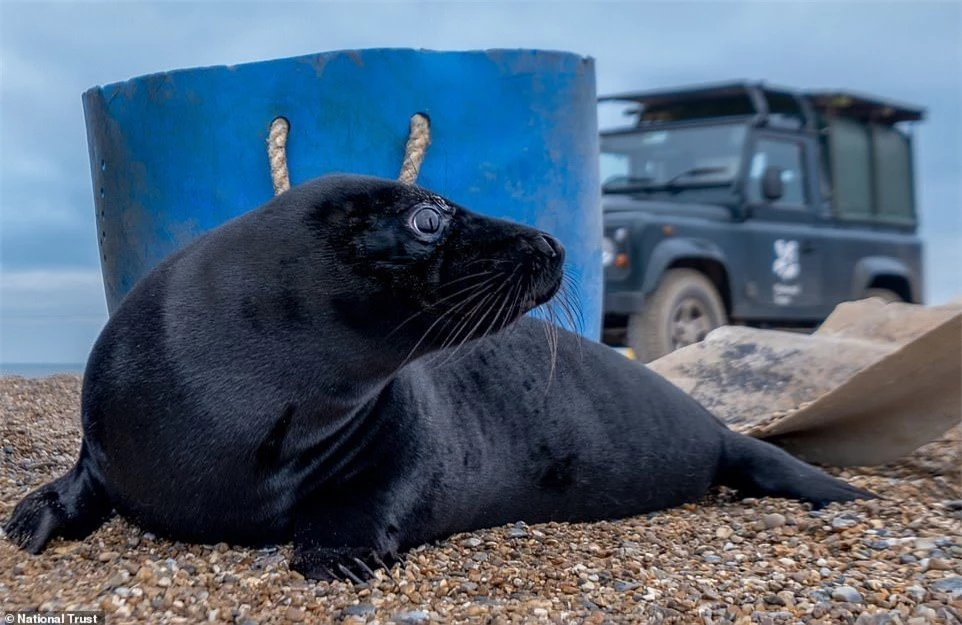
548, 245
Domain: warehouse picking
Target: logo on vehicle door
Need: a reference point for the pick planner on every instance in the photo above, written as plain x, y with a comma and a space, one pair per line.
786, 265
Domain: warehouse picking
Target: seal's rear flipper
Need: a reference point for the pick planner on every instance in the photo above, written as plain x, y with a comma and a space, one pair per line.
759, 469
72, 506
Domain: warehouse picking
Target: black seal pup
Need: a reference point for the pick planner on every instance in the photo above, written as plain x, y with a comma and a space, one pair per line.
350, 367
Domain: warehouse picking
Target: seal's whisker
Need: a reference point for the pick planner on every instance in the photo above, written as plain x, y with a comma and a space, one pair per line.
507, 285
549, 329
509, 311
441, 318
465, 319
484, 313
467, 277
572, 310
569, 296
442, 300
507, 296
462, 322
465, 322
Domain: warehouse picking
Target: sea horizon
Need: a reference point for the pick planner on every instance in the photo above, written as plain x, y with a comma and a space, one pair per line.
40, 369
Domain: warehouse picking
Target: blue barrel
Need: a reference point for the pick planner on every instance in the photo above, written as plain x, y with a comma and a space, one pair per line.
513, 134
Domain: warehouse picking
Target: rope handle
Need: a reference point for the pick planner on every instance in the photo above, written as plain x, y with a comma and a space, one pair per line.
419, 138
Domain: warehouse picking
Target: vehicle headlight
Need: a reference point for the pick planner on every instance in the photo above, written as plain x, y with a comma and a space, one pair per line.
614, 249
607, 252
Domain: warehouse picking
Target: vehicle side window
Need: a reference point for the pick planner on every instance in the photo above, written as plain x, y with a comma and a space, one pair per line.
893, 166
789, 157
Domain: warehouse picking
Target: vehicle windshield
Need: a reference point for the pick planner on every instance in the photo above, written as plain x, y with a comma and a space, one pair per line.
671, 157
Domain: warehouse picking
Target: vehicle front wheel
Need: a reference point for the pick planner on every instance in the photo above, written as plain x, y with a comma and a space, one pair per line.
682, 311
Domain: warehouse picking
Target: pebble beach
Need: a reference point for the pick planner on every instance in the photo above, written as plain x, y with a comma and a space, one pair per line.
897, 560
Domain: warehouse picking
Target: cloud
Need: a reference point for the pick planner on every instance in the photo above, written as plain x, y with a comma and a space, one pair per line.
51, 52
50, 316
60, 294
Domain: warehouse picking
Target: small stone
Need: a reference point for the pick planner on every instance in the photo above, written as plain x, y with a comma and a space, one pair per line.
774, 520
952, 504
925, 612
907, 558
517, 532
361, 609
915, 593
846, 594
787, 597
925, 544
711, 558
472, 542
951, 585
295, 615
416, 616
724, 532
841, 523
936, 564
107, 556
624, 586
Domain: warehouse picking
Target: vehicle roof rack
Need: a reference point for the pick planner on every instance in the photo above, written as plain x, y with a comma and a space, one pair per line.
764, 101
864, 107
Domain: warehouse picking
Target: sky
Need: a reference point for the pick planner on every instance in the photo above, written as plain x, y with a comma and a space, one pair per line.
51, 297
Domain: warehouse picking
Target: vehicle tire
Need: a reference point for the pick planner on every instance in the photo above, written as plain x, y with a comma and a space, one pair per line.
683, 309
885, 294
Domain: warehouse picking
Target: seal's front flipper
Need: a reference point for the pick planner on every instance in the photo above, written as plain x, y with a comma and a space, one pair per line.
357, 564
72, 506
759, 469
343, 542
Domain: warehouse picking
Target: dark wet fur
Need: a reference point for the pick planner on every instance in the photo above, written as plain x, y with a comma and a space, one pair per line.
319, 370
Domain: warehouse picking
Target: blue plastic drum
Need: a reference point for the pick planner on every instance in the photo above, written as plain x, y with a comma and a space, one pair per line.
513, 134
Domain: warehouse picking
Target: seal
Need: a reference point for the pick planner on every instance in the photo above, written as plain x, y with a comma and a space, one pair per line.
351, 367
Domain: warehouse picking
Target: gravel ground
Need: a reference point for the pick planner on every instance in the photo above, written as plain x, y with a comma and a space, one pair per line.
720, 561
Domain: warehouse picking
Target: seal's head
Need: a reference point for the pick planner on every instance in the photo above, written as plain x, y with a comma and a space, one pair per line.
410, 263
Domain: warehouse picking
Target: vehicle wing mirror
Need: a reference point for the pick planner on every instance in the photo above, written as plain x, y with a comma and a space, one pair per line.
772, 186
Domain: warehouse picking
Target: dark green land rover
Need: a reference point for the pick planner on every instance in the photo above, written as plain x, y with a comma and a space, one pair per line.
743, 203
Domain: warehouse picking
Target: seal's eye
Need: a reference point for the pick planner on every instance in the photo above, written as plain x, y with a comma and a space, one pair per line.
426, 220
